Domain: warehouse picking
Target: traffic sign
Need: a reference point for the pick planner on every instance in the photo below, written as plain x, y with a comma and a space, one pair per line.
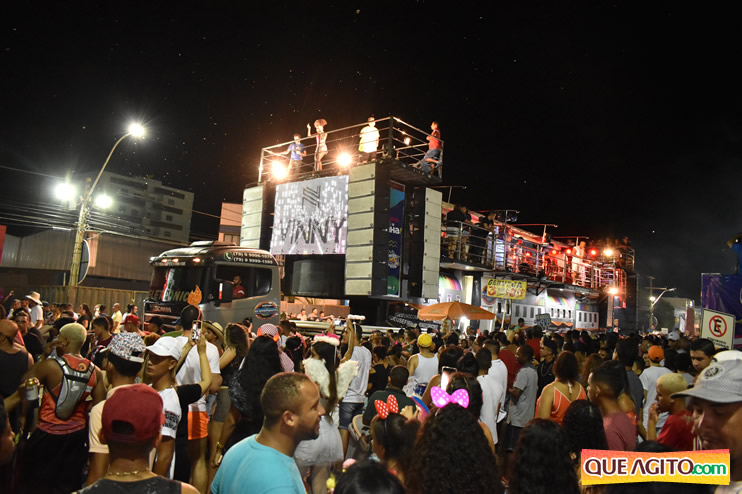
719, 328
543, 320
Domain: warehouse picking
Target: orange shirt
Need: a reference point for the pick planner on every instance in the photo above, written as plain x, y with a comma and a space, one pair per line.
48, 420
560, 404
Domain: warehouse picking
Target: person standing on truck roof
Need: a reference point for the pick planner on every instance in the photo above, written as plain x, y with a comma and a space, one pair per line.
369, 141
296, 152
321, 136
238, 291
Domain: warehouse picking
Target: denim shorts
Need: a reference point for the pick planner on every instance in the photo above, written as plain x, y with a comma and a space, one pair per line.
347, 412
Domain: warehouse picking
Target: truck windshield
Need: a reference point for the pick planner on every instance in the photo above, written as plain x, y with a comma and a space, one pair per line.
174, 284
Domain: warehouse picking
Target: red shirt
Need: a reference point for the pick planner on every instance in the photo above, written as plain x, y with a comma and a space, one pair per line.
535, 343
435, 143
238, 291
511, 363
677, 433
620, 432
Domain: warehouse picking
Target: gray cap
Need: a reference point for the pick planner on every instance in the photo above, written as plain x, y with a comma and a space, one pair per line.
721, 381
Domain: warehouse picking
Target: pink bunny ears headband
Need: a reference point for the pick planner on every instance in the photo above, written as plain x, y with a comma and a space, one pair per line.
441, 398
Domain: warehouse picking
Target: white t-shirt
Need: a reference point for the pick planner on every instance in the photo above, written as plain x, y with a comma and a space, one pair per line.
37, 314
369, 139
357, 390
190, 372
499, 371
493, 394
649, 383
173, 415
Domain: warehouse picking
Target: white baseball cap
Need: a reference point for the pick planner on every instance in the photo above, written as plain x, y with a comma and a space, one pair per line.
167, 346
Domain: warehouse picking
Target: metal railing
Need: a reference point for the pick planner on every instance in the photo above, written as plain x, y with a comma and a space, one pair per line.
396, 139
496, 250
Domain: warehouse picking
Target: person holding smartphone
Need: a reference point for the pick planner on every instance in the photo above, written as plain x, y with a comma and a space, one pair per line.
198, 418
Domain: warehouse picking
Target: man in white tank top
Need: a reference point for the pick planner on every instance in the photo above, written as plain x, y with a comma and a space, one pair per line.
424, 365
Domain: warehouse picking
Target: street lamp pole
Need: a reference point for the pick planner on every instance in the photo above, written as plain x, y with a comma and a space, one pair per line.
134, 130
653, 302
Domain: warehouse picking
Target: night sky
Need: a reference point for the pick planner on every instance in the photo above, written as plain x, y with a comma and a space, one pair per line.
603, 118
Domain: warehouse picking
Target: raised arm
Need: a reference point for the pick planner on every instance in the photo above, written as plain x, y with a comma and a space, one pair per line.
206, 378
351, 340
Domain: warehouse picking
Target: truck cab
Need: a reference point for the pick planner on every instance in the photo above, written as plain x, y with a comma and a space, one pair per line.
213, 268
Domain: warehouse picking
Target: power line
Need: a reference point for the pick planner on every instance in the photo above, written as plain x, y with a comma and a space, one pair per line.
31, 172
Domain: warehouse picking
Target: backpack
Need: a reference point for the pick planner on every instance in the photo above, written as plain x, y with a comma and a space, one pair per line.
74, 386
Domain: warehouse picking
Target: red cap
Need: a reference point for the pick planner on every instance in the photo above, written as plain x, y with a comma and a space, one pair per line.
132, 318
137, 405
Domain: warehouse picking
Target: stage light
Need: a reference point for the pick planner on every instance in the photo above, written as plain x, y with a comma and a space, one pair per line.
345, 160
593, 252
608, 252
279, 170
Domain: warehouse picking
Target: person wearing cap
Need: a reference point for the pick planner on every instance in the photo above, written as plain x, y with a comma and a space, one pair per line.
122, 361
716, 402
154, 325
131, 324
55, 454
545, 369
677, 433
422, 366
198, 416
130, 426
264, 463
649, 383
163, 358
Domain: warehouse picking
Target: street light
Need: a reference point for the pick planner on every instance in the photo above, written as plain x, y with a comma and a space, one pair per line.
134, 130
654, 301
103, 201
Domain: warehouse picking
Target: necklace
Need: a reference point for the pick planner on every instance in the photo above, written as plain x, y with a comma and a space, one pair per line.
124, 474
544, 374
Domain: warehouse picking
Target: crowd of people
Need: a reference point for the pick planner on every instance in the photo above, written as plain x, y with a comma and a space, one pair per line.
100, 403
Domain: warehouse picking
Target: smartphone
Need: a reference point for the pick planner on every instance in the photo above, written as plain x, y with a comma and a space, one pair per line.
446, 373
196, 331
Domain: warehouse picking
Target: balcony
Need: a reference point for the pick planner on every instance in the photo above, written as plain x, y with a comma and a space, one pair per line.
465, 246
401, 146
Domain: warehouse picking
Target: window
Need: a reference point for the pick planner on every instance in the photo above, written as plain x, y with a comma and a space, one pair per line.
160, 190
169, 217
532, 312
552, 312
579, 317
570, 313
170, 201
166, 233
517, 310
255, 281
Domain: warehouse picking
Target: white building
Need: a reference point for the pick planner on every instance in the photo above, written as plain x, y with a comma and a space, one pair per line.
145, 207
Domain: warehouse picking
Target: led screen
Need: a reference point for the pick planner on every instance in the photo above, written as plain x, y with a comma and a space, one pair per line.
311, 217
